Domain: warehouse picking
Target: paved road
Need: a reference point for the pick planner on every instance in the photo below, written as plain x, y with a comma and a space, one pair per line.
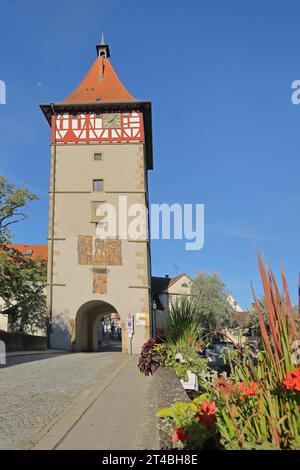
35, 395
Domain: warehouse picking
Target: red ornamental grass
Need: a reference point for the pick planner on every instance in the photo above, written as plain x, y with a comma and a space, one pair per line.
283, 328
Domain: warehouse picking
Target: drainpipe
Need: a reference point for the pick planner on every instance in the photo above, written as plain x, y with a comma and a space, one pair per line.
52, 228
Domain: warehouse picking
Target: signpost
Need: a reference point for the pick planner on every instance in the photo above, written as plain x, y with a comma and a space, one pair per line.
130, 328
2, 353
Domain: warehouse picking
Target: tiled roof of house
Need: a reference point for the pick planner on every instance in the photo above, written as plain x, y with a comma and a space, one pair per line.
32, 251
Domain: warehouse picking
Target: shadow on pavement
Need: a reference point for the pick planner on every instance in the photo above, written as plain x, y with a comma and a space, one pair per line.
16, 360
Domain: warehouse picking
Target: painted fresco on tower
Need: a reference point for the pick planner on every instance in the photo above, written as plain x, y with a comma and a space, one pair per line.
99, 252
93, 251
85, 249
114, 252
100, 283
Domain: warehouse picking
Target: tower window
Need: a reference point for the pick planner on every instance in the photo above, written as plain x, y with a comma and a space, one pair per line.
98, 185
97, 156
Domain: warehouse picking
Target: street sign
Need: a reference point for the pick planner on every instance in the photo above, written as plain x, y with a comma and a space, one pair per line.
130, 325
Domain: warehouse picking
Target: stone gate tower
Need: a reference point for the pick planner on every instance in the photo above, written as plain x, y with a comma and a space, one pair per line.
101, 151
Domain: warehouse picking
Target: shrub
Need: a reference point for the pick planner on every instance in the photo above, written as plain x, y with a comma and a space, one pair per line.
182, 325
151, 358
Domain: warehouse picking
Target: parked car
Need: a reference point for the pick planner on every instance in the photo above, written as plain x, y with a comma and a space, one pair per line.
218, 355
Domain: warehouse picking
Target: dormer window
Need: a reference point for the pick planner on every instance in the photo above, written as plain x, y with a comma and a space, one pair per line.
28, 252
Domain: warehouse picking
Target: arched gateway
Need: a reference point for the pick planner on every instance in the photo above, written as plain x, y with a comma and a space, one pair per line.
88, 318
101, 151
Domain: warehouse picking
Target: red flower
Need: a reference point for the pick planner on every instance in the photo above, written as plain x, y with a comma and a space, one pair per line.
180, 434
248, 389
208, 408
206, 414
189, 340
292, 380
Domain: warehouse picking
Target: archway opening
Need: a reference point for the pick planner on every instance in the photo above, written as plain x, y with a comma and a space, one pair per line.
95, 327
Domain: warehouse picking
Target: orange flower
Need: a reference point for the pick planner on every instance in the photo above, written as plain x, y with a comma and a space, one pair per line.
248, 389
292, 380
189, 340
180, 434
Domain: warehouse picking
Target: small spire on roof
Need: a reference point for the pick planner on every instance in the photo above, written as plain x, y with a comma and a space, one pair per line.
102, 48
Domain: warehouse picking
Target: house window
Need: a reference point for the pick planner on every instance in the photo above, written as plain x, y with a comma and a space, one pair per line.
98, 185
97, 157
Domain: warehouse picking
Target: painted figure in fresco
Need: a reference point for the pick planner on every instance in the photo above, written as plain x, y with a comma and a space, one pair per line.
100, 283
99, 247
85, 248
82, 251
114, 252
89, 249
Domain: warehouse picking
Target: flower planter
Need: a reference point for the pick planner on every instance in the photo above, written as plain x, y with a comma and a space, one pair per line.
191, 383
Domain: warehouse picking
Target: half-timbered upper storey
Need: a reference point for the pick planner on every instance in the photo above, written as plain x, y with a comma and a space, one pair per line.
101, 110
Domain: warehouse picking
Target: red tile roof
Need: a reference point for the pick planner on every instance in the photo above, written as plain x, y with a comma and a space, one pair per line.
38, 251
101, 84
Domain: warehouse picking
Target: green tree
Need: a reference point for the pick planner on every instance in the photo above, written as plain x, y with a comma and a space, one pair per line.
12, 207
210, 297
22, 279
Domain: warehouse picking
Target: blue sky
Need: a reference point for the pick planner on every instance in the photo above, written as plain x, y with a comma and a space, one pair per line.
226, 133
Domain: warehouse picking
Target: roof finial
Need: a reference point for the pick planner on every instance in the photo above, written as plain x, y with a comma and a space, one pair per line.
102, 40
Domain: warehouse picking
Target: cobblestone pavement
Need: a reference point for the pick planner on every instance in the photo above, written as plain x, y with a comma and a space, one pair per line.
34, 395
